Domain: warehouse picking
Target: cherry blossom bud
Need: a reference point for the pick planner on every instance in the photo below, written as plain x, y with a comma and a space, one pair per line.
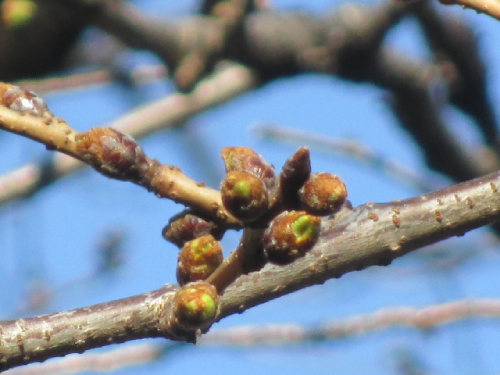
198, 259
244, 195
323, 194
187, 226
112, 153
195, 306
245, 159
290, 235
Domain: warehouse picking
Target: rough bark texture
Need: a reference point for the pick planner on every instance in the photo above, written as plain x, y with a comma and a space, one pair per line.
368, 235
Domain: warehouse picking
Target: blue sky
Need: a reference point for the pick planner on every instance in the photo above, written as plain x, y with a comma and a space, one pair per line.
51, 238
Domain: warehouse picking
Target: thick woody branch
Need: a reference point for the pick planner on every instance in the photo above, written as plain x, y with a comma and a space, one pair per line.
371, 234
75, 331
353, 326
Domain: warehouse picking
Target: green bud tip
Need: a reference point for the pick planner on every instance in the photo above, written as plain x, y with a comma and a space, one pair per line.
242, 188
304, 228
195, 305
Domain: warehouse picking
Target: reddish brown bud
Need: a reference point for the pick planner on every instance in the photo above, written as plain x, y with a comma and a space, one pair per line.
323, 194
198, 259
112, 153
244, 195
246, 159
195, 306
23, 101
290, 235
294, 174
187, 226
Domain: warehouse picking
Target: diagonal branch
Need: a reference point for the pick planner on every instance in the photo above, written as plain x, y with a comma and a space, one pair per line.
162, 114
370, 234
113, 154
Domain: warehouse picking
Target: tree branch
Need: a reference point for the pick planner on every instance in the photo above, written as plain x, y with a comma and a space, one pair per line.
276, 334
370, 234
116, 156
164, 113
391, 317
489, 7
37, 339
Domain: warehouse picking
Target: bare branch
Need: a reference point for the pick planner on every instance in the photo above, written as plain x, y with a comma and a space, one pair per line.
371, 234
139, 75
388, 318
165, 113
37, 339
116, 156
392, 317
350, 148
109, 361
456, 50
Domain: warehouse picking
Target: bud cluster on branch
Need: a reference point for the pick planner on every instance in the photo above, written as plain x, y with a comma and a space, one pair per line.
280, 214
298, 230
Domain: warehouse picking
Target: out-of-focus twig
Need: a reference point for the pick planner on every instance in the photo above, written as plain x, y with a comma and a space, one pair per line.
489, 7
141, 74
353, 149
101, 362
456, 50
253, 336
391, 317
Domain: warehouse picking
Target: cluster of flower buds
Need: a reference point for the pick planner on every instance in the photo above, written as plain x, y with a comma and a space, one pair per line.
112, 153
286, 207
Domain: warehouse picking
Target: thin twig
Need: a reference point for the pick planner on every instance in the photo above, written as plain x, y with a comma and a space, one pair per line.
140, 75
489, 7
350, 148
160, 115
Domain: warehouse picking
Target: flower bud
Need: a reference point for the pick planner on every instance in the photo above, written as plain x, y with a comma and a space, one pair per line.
294, 174
244, 195
245, 159
23, 101
323, 194
187, 226
195, 306
112, 153
290, 235
198, 259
